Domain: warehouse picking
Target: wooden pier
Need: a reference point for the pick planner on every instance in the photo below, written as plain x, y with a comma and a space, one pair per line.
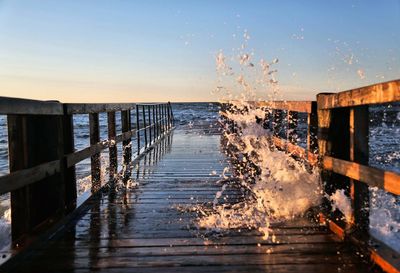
150, 228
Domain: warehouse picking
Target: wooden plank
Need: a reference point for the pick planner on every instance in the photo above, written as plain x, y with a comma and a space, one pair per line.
90, 108
295, 150
331, 248
199, 260
295, 106
374, 94
142, 229
389, 181
87, 152
18, 106
25, 177
277, 268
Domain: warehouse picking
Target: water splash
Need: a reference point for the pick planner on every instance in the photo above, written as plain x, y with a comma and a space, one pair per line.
275, 186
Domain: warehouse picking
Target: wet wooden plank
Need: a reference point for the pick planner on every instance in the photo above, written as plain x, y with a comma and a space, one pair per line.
152, 228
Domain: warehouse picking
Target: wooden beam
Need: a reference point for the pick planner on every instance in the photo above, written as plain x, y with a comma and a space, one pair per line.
389, 181
25, 177
295, 106
374, 94
88, 108
29, 107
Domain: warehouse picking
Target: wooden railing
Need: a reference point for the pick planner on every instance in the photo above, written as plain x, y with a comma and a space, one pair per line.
42, 156
342, 122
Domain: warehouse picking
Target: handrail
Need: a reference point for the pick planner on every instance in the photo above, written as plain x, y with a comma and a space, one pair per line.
46, 128
341, 120
295, 106
87, 108
380, 93
18, 106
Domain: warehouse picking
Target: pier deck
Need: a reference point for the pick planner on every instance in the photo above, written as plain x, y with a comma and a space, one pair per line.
144, 229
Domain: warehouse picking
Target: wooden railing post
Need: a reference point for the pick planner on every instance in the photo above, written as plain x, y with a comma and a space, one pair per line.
126, 144
333, 140
95, 159
68, 173
165, 117
150, 124
292, 121
113, 154
359, 152
144, 126
277, 122
36, 139
312, 129
170, 114
154, 123
157, 120
138, 129
162, 118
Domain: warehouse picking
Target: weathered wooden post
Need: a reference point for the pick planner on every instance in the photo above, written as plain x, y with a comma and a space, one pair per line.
292, 121
95, 159
126, 144
171, 117
162, 118
150, 124
277, 121
157, 122
144, 126
33, 140
154, 123
138, 129
359, 153
312, 129
68, 173
333, 140
113, 154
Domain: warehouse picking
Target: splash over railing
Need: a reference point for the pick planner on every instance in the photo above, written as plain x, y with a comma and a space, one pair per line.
42, 156
337, 141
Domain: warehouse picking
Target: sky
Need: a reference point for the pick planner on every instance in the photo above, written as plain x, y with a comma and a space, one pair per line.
142, 51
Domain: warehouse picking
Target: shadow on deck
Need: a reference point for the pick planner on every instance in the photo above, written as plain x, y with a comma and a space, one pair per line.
142, 229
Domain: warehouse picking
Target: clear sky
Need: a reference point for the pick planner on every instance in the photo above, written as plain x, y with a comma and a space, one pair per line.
113, 51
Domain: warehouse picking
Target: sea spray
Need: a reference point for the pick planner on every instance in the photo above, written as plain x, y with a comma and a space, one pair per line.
276, 187
283, 188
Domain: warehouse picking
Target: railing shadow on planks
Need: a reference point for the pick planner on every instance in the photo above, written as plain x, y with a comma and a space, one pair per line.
42, 156
338, 143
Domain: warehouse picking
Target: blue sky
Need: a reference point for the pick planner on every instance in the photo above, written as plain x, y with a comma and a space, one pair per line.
165, 50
